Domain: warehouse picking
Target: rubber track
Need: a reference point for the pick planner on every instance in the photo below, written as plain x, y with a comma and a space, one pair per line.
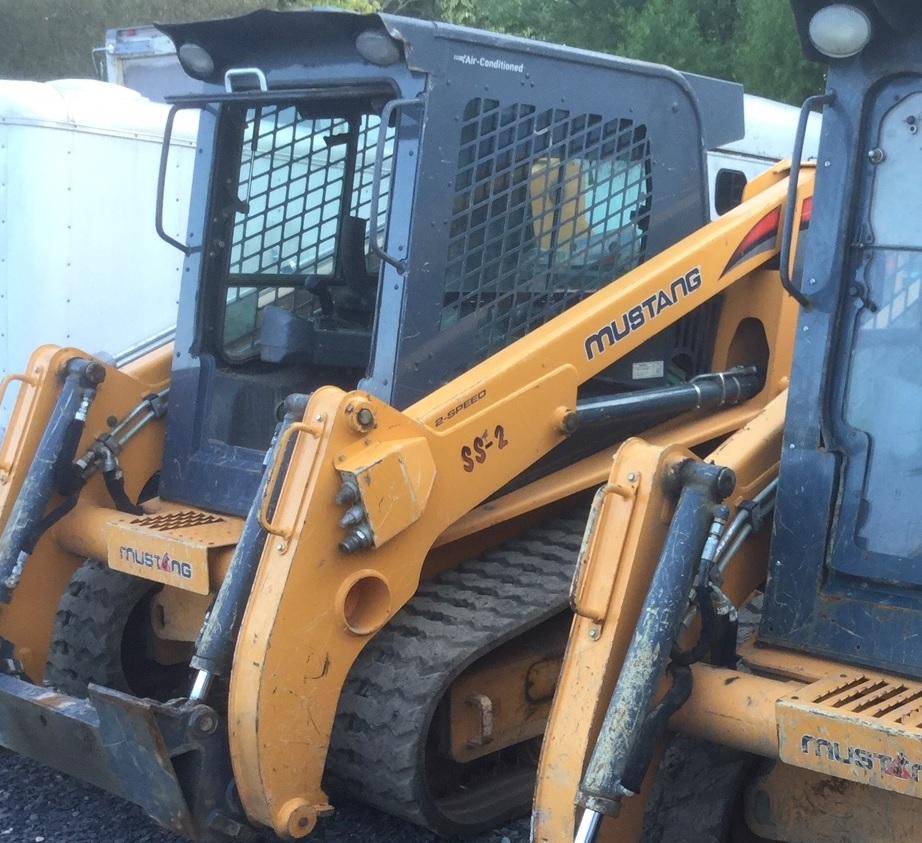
377, 750
87, 641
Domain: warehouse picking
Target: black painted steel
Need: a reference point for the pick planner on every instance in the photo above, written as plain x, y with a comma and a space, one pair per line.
790, 208
170, 759
845, 569
705, 392
57, 447
703, 487
214, 649
485, 236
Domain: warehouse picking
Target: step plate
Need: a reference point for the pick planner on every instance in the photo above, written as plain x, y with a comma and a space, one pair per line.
171, 547
860, 726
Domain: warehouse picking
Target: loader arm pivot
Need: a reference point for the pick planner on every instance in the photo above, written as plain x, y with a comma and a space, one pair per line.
402, 478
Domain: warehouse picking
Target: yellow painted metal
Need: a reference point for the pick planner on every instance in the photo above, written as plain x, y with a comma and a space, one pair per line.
83, 532
627, 558
421, 472
597, 646
28, 620
733, 708
755, 301
290, 664
310, 430
802, 806
176, 615
600, 555
393, 478
171, 546
504, 698
856, 725
785, 664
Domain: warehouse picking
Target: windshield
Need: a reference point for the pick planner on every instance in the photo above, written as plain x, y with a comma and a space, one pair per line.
884, 393
301, 227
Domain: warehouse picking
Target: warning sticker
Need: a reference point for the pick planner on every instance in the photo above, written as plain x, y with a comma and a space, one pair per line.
648, 369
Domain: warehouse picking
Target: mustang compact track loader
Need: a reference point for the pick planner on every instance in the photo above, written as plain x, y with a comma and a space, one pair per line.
827, 692
330, 530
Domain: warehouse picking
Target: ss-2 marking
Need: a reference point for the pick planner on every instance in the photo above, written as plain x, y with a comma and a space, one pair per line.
476, 453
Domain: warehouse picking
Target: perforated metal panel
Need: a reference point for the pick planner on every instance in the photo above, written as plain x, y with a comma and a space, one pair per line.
548, 207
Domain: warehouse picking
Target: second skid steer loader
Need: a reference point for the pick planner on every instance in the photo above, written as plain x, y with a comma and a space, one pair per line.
322, 543
809, 516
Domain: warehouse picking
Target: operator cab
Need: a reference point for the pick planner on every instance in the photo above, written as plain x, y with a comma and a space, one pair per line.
383, 203
848, 567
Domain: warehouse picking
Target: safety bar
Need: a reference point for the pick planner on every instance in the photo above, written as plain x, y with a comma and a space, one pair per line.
790, 208
373, 209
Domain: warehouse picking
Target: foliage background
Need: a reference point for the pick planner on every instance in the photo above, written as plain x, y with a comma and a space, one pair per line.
751, 41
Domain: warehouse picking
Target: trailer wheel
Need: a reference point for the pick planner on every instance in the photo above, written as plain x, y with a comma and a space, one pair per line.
100, 635
698, 795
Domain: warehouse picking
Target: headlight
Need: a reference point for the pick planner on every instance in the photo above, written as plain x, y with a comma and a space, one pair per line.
196, 61
377, 47
840, 30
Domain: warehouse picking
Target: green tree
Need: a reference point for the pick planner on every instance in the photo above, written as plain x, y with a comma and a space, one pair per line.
751, 41
766, 54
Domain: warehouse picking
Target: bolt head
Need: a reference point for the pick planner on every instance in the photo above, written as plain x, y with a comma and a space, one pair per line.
594, 633
570, 421
632, 478
365, 417
204, 721
726, 482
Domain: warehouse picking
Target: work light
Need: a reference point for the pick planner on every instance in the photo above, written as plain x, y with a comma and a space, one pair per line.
840, 30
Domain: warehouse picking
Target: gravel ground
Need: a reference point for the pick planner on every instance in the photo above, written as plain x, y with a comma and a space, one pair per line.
38, 805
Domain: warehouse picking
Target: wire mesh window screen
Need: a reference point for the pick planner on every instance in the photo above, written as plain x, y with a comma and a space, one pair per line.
548, 207
294, 194
291, 184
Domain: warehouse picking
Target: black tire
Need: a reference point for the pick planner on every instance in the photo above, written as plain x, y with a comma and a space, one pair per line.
98, 636
698, 795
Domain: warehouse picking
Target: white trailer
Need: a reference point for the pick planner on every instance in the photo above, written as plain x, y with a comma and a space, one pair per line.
80, 261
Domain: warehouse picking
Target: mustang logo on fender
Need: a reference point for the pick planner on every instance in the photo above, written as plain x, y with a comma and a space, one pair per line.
162, 562
854, 756
639, 315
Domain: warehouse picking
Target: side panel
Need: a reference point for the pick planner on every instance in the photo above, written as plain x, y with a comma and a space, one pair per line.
542, 179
